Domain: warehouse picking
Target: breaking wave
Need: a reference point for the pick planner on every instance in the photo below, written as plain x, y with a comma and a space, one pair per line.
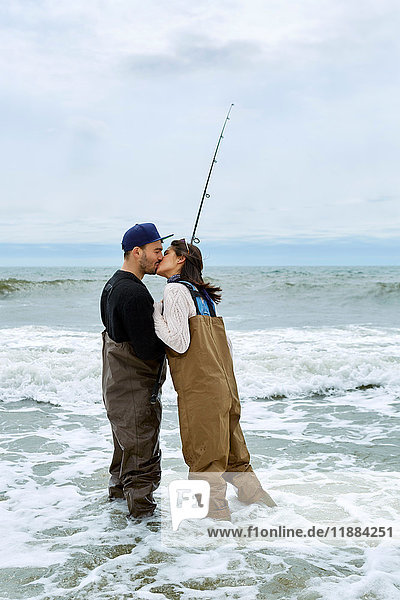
64, 367
12, 285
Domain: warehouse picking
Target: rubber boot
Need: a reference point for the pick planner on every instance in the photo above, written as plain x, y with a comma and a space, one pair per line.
249, 489
265, 499
139, 507
115, 488
219, 510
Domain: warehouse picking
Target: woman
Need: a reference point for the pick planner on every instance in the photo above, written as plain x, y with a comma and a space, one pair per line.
202, 373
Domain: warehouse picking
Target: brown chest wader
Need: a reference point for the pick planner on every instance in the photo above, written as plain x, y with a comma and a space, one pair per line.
213, 444
128, 383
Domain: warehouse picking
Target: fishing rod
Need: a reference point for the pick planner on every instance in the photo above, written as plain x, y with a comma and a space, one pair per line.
194, 239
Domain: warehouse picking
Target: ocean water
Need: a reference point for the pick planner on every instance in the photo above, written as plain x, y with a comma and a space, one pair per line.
317, 359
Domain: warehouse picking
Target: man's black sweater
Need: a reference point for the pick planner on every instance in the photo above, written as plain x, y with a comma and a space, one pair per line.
127, 313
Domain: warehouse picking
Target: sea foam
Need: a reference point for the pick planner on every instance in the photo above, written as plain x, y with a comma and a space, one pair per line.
64, 366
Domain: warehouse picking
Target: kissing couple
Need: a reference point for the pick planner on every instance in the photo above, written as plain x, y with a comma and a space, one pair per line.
185, 328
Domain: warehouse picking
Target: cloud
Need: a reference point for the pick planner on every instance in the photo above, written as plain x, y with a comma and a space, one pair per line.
69, 47
111, 112
384, 199
87, 128
194, 53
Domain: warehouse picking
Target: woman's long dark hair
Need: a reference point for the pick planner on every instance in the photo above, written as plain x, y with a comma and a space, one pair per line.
193, 267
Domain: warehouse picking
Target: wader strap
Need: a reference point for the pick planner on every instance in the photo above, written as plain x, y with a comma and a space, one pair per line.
156, 393
200, 300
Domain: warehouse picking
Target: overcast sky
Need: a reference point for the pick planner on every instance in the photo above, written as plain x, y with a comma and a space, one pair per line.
111, 110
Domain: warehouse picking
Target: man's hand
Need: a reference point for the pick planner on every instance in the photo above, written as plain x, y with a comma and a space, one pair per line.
158, 308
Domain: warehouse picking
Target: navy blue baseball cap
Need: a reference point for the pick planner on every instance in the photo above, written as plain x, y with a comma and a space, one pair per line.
141, 234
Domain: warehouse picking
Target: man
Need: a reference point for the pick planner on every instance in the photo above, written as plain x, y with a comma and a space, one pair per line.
133, 372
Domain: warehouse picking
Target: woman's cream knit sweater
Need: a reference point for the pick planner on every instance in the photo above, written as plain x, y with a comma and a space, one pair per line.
171, 317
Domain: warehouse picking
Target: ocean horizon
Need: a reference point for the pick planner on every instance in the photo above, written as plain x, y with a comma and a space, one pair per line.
246, 252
